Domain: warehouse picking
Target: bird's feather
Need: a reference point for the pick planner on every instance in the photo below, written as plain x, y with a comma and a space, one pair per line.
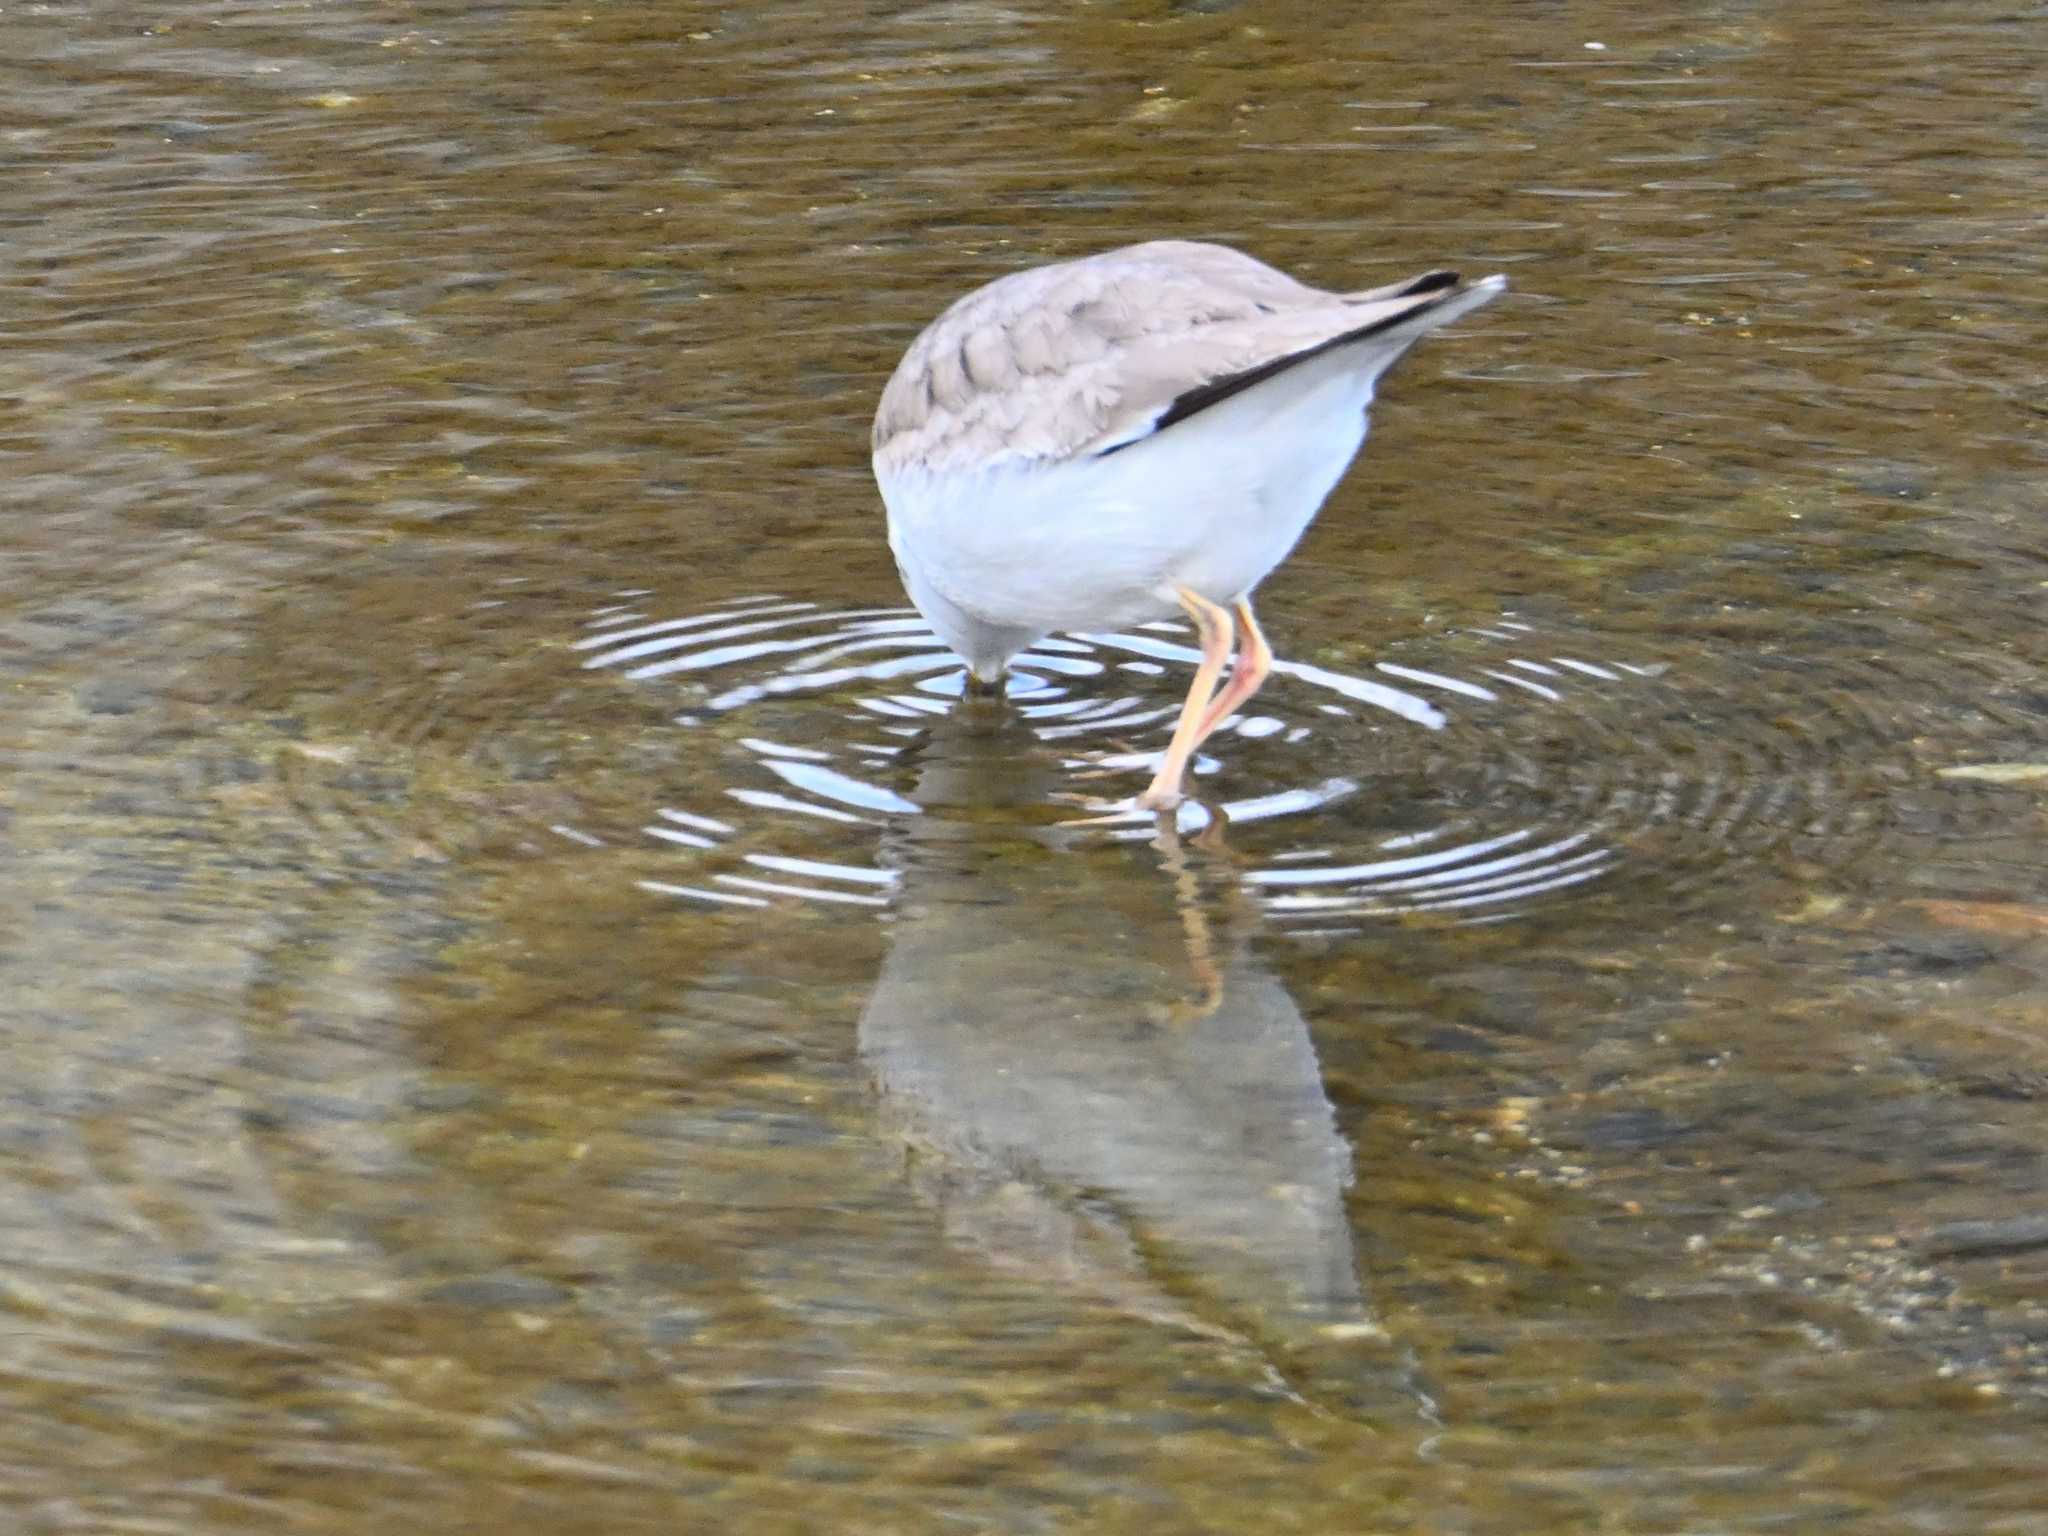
1089, 356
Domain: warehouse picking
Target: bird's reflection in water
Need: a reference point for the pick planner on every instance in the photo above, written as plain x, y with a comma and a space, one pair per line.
1096, 1081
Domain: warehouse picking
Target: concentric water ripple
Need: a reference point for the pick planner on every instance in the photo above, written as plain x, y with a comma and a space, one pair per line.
1476, 775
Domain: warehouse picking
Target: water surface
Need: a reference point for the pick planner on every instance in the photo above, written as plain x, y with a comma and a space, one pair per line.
531, 1001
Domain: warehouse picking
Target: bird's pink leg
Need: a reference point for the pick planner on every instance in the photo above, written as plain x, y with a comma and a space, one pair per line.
1212, 623
1254, 664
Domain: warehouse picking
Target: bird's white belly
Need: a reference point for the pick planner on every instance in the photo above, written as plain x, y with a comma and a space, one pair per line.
1213, 504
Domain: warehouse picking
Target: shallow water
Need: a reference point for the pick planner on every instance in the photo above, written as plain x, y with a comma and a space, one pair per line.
531, 1001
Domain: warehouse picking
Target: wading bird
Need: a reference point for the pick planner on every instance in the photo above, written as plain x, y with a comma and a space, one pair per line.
1099, 442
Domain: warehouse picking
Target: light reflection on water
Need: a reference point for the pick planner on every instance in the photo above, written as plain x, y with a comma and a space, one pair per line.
357, 1123
1097, 1081
1486, 826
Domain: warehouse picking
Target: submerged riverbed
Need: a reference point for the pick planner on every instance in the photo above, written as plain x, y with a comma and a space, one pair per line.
530, 1001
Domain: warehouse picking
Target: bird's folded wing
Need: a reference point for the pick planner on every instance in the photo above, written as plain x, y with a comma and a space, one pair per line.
1065, 361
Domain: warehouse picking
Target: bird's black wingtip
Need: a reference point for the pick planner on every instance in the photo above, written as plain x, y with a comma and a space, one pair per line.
1429, 282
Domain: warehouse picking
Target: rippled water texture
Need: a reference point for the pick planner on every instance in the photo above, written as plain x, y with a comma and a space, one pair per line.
533, 1003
